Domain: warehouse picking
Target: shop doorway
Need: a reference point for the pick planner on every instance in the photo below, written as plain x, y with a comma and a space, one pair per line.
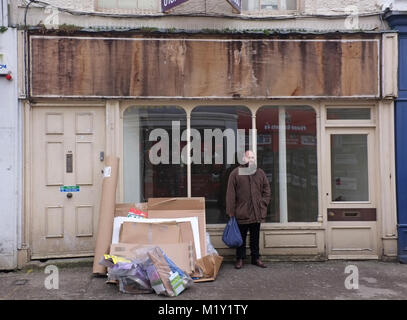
351, 196
67, 162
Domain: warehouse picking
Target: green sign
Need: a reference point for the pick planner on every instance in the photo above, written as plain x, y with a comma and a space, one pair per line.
69, 189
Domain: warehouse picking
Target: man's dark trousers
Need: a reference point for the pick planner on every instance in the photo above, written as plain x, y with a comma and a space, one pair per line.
254, 230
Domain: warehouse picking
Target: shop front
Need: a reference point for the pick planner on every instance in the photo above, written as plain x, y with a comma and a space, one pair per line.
180, 110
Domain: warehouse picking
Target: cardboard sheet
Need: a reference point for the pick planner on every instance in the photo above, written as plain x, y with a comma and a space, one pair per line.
150, 233
107, 211
180, 253
181, 208
210, 266
118, 221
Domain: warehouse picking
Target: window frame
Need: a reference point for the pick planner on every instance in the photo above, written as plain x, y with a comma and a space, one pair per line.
118, 10
371, 152
278, 11
350, 123
253, 106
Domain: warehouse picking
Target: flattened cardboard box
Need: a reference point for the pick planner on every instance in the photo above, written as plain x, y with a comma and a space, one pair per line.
179, 253
106, 215
181, 208
150, 233
210, 266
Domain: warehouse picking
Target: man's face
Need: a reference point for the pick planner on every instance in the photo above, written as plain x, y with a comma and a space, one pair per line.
249, 157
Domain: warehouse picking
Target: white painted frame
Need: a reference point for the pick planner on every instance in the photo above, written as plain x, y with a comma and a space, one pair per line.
282, 8
253, 106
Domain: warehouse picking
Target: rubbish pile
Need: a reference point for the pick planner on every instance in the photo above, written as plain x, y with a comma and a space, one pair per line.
152, 271
160, 246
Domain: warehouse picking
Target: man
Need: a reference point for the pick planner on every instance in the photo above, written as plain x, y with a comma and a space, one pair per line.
247, 197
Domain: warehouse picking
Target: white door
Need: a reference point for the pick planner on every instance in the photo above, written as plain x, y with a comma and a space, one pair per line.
67, 160
351, 202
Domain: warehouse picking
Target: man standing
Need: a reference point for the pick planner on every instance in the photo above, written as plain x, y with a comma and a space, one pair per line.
247, 197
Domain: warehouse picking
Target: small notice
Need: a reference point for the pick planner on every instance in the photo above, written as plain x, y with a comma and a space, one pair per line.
69, 189
107, 172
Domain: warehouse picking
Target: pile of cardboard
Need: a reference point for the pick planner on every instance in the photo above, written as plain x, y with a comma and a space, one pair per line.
176, 225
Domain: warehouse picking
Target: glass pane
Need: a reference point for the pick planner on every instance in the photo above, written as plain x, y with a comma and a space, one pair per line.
302, 170
349, 166
300, 154
348, 114
142, 178
147, 4
107, 4
291, 4
269, 4
250, 5
127, 4
209, 179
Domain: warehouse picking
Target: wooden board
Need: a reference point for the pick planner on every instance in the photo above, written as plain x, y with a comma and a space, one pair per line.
199, 67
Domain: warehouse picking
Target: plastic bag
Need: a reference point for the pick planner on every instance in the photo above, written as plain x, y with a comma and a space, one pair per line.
231, 235
186, 279
155, 278
152, 271
131, 276
209, 247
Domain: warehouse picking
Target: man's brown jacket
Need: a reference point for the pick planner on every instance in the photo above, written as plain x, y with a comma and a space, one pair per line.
248, 196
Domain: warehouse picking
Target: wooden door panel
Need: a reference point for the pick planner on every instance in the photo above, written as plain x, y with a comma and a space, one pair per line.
65, 226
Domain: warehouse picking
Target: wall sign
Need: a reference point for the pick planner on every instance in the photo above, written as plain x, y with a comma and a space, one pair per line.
70, 189
237, 4
169, 4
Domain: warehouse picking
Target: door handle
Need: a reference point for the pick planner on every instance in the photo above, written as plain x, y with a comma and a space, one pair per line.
69, 195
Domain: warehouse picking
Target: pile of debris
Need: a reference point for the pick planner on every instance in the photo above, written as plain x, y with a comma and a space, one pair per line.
160, 246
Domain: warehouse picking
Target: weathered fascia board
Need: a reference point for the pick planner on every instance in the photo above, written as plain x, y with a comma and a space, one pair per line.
390, 65
205, 67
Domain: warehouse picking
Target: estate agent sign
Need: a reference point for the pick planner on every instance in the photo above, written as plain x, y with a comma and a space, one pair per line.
169, 4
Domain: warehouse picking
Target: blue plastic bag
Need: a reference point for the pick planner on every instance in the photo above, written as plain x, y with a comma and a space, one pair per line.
231, 235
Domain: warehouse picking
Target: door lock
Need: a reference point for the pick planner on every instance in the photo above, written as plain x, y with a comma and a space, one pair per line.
69, 195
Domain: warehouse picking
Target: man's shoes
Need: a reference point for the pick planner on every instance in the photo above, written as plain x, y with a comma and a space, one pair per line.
239, 264
259, 263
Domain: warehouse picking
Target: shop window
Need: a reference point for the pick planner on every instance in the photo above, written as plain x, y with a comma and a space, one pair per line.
274, 5
144, 178
349, 167
348, 114
217, 127
287, 152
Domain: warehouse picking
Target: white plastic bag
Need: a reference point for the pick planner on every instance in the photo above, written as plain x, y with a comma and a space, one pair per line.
209, 247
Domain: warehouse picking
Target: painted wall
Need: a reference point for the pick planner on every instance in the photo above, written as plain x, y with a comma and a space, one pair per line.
10, 170
309, 6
